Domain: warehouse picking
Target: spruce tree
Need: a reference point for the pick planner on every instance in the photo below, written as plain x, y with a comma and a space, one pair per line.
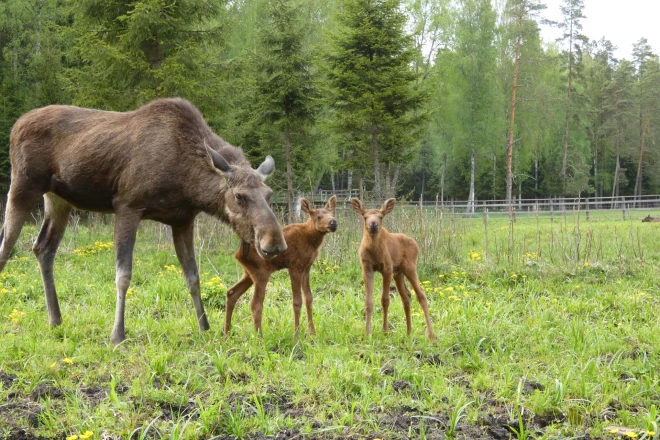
372, 93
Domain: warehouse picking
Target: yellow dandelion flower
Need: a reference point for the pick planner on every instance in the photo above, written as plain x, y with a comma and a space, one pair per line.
53, 365
87, 434
613, 431
631, 434
16, 315
650, 433
68, 360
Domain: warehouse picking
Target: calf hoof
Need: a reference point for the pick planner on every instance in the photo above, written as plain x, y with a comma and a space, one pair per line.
432, 337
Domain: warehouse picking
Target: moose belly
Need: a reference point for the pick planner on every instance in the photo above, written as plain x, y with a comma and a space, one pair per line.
85, 196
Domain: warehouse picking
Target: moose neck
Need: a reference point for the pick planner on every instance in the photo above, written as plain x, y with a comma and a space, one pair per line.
314, 236
375, 239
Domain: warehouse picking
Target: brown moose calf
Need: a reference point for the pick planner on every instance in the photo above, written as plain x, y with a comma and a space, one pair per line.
304, 241
648, 218
394, 256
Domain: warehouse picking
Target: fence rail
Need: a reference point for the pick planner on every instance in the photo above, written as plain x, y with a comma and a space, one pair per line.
552, 204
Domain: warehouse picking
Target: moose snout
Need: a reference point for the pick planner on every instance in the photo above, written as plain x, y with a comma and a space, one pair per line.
272, 250
332, 225
373, 227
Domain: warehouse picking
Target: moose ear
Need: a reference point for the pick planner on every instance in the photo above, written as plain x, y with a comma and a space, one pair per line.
306, 205
357, 206
388, 206
266, 167
332, 203
218, 161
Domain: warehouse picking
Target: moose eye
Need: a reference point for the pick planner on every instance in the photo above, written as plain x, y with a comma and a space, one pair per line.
318, 217
239, 197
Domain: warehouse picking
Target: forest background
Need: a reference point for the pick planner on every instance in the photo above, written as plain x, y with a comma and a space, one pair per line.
416, 98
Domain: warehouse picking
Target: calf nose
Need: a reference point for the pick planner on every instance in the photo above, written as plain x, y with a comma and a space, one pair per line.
373, 226
333, 225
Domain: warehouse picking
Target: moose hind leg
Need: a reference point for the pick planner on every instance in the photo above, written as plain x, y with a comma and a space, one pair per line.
307, 296
405, 295
423, 301
56, 216
126, 225
19, 204
185, 251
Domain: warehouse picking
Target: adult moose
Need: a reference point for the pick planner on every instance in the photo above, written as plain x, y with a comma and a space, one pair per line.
160, 162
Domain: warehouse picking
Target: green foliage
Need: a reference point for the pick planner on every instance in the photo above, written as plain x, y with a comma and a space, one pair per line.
396, 95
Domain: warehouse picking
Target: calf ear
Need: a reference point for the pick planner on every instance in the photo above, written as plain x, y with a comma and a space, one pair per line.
306, 205
266, 167
357, 206
332, 203
388, 206
218, 161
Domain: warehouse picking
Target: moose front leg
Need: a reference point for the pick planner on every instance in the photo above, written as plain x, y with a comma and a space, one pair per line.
368, 276
184, 246
307, 296
126, 225
385, 298
296, 288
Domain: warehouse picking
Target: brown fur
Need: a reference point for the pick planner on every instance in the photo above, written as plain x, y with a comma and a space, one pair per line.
160, 162
304, 241
394, 256
650, 219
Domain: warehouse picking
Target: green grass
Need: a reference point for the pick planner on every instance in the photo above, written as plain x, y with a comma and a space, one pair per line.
551, 330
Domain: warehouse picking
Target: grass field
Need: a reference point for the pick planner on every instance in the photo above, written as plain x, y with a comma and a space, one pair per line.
547, 328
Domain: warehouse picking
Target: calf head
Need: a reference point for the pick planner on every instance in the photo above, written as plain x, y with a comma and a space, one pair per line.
247, 205
323, 218
373, 218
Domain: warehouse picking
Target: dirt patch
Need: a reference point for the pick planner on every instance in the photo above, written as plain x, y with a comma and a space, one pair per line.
401, 385
173, 411
44, 390
95, 394
12, 412
7, 379
22, 434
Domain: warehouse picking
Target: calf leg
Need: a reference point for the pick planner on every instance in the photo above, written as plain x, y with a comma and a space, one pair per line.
184, 245
296, 288
385, 298
368, 276
126, 224
423, 301
56, 216
19, 204
405, 295
233, 295
307, 296
257, 302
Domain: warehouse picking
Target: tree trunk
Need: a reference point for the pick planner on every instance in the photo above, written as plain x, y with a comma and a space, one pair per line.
395, 179
472, 170
388, 188
638, 180
512, 113
564, 162
332, 179
349, 183
615, 186
442, 180
374, 142
289, 175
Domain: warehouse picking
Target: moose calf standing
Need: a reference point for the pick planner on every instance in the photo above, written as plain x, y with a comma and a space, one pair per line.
394, 256
304, 241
